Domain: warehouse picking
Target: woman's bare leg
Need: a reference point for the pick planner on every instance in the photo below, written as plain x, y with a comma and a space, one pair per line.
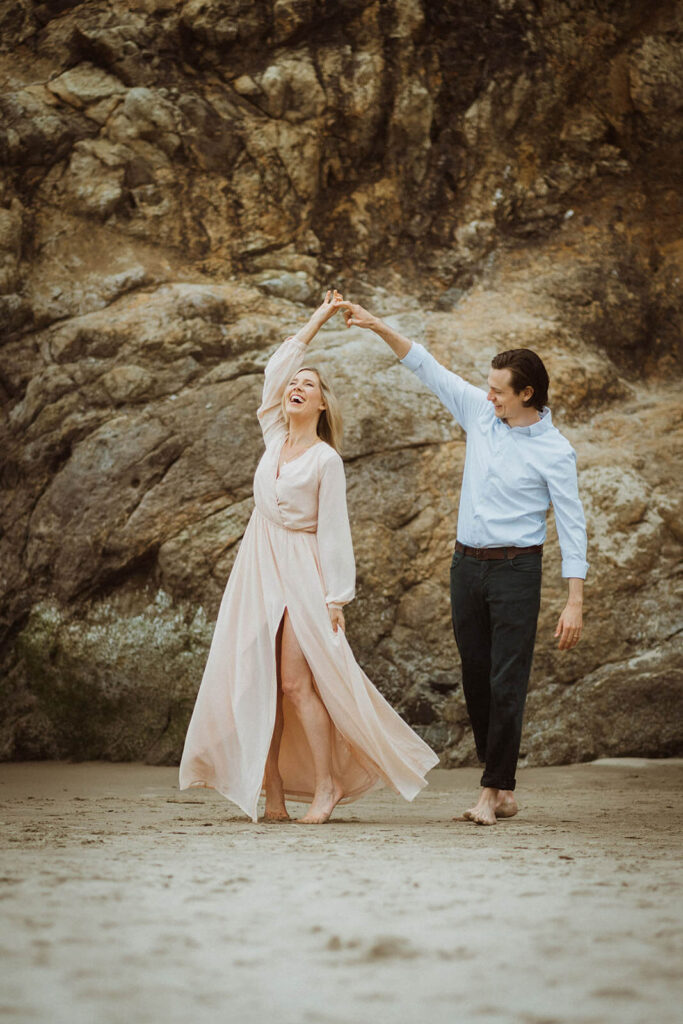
297, 684
275, 796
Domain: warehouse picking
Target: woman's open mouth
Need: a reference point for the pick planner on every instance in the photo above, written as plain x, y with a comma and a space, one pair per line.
296, 399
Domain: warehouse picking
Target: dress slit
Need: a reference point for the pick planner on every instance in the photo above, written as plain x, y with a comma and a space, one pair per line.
293, 734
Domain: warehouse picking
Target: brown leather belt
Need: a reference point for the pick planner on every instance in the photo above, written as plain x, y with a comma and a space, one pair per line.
486, 553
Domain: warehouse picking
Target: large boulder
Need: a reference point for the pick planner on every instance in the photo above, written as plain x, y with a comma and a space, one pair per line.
181, 182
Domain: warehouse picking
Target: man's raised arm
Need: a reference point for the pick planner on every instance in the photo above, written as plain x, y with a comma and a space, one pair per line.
462, 400
356, 316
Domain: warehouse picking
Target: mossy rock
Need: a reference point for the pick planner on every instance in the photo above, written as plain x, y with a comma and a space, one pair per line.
112, 685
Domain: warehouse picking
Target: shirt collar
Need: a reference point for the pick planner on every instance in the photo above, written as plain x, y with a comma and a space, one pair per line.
540, 427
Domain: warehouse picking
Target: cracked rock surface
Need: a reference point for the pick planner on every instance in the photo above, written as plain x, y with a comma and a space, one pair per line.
179, 183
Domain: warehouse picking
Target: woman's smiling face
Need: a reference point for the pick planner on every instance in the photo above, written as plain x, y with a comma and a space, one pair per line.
303, 394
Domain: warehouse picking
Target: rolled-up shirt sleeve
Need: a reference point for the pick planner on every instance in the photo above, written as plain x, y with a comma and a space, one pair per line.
334, 535
463, 400
570, 520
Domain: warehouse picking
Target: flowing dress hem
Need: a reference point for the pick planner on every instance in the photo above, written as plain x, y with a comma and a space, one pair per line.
376, 777
300, 797
200, 784
307, 798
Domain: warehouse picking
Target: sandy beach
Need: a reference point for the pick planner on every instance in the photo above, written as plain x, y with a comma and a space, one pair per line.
125, 899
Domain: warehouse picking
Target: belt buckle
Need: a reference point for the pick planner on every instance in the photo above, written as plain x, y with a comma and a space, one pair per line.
480, 554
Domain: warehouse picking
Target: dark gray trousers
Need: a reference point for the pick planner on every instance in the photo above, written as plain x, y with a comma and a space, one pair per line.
495, 607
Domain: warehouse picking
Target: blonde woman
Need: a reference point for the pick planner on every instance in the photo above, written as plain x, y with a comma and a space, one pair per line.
283, 705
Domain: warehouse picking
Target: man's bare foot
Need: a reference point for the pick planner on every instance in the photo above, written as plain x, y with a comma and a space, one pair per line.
471, 812
507, 806
325, 799
492, 804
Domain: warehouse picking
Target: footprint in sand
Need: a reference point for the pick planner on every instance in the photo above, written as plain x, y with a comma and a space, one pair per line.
391, 947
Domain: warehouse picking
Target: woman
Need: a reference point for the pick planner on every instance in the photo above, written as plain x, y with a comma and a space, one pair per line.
283, 701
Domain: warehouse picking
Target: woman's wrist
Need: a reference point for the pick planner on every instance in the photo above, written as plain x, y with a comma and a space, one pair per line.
320, 315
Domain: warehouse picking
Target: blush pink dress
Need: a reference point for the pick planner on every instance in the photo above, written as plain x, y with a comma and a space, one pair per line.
296, 554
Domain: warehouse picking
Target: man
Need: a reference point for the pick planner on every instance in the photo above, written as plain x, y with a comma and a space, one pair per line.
516, 463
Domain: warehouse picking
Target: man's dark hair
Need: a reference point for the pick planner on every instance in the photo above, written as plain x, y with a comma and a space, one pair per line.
526, 370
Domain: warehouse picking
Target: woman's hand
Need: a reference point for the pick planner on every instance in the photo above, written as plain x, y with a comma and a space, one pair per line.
336, 617
331, 303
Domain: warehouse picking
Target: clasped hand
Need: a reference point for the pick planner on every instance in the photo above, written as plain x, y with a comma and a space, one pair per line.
354, 315
332, 302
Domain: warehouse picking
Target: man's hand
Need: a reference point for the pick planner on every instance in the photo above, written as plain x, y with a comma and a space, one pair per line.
570, 623
356, 316
336, 618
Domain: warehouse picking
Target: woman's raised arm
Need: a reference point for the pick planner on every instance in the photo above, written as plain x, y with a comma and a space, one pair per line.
284, 363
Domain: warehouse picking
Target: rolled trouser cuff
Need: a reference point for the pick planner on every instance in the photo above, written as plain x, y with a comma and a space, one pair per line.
490, 781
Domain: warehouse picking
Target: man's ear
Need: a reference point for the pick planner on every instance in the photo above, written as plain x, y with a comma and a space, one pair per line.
527, 394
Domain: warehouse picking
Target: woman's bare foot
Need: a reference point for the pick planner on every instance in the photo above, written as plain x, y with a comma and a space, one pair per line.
492, 804
325, 799
274, 816
275, 801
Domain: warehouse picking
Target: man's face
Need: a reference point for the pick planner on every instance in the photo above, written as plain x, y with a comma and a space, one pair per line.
507, 404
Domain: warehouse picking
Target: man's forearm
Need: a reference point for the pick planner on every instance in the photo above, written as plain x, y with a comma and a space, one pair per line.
575, 596
400, 345
356, 316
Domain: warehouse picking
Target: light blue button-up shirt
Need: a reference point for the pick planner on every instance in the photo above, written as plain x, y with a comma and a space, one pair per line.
512, 474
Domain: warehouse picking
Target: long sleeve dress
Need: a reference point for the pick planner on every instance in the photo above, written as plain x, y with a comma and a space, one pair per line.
296, 554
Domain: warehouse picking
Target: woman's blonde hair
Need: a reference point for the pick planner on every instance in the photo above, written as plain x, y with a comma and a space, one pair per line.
330, 425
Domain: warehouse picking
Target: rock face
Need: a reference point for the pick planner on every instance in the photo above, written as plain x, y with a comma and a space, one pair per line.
180, 181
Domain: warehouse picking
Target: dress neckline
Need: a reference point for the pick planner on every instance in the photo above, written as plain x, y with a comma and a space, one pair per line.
279, 468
